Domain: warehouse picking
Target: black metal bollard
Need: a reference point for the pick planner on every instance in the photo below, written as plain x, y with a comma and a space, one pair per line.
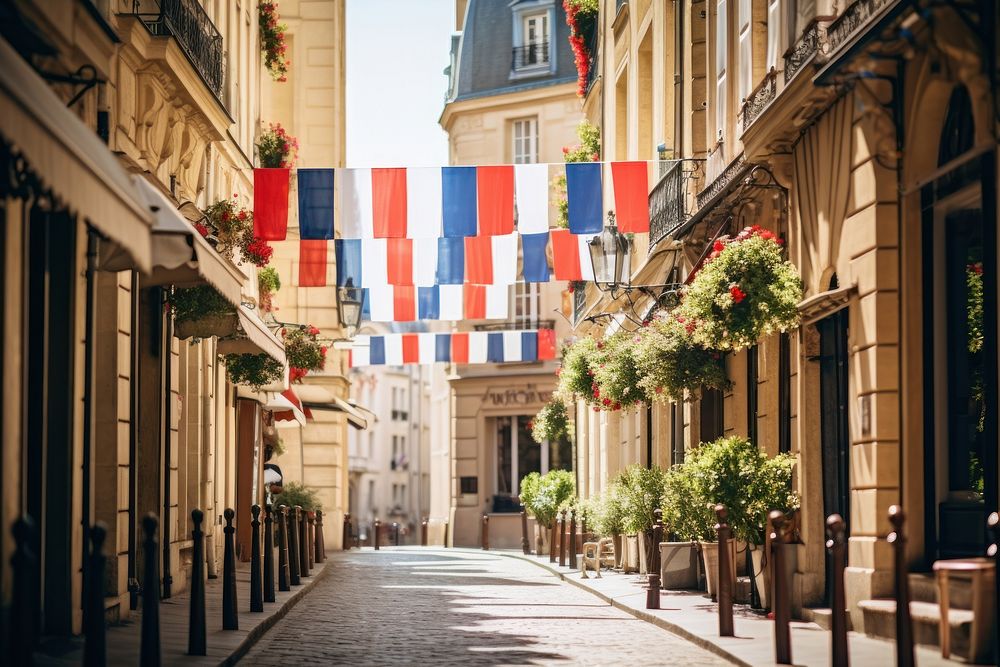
197, 630
445, 534
376, 530
347, 532
320, 542
653, 570
303, 527
24, 624
311, 536
95, 649
562, 538
423, 532
293, 548
230, 621
149, 651
256, 569
572, 539
782, 604
485, 537
904, 624
525, 545
395, 534
836, 544
268, 554
284, 580
553, 538
724, 584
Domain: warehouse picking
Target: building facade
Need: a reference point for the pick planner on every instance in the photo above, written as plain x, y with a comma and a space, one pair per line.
865, 136
511, 99
123, 123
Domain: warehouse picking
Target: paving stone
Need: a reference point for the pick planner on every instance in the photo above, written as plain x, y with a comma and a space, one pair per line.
448, 608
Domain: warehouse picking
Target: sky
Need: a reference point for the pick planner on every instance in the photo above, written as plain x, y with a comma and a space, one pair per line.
396, 53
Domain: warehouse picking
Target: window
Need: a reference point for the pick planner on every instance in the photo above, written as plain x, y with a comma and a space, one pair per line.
526, 304
721, 62
533, 53
745, 83
371, 445
395, 452
535, 46
518, 454
773, 33
525, 135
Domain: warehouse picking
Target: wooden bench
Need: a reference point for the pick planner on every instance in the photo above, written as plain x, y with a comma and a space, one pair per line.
981, 571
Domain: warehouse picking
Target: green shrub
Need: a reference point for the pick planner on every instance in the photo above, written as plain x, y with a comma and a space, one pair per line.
547, 494
294, 493
640, 491
685, 512
191, 303
609, 517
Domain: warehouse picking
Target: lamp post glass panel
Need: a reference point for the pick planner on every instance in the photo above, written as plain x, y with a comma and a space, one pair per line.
351, 301
611, 256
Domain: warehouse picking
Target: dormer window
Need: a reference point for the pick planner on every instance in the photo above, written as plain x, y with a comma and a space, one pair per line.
533, 52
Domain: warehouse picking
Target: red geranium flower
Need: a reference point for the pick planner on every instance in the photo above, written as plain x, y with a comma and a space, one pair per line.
737, 294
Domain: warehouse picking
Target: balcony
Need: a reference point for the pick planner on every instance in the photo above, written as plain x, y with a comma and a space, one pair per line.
758, 100
517, 324
530, 56
670, 200
199, 39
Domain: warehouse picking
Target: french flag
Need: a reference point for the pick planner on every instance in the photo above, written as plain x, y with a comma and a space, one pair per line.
473, 347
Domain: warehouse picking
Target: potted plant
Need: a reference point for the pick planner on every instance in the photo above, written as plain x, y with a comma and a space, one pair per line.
609, 520
276, 149
255, 370
672, 366
225, 224
640, 490
527, 493
201, 312
268, 283
545, 495
771, 490
294, 493
690, 521
552, 422
303, 350
745, 290
576, 373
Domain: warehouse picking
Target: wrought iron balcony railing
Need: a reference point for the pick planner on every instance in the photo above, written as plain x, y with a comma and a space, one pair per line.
803, 50
594, 61
669, 201
187, 22
579, 302
857, 15
531, 55
758, 100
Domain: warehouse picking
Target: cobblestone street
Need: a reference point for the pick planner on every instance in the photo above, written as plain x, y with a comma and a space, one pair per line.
451, 608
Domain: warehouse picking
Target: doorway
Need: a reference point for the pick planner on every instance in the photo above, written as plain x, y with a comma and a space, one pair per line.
835, 437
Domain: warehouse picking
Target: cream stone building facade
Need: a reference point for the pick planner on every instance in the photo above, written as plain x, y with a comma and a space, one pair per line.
123, 122
864, 135
310, 105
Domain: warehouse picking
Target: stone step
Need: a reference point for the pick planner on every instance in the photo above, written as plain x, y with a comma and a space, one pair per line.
823, 617
923, 588
880, 621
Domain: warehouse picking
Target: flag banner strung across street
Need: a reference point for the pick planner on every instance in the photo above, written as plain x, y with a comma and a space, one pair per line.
452, 202
392, 303
473, 347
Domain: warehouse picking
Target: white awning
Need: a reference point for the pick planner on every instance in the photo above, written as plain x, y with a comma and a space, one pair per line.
252, 337
182, 256
71, 160
279, 404
317, 397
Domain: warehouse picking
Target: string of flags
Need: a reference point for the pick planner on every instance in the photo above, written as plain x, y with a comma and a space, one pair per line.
427, 226
474, 347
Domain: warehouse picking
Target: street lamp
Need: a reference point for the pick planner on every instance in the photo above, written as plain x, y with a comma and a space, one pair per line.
611, 257
350, 300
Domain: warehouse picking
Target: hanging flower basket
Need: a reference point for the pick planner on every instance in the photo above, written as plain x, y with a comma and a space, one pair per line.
745, 290
272, 40
226, 224
581, 17
617, 376
201, 312
268, 283
302, 349
672, 366
552, 422
254, 250
254, 370
576, 375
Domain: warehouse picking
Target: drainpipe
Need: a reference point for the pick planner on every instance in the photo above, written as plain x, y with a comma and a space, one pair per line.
133, 442
678, 78
88, 399
168, 335
211, 443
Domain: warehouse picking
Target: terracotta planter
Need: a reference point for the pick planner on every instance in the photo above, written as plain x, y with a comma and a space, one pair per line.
678, 565
619, 551
710, 557
631, 563
761, 574
541, 540
206, 327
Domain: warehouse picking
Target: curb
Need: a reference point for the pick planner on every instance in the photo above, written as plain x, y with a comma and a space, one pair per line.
642, 615
266, 624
